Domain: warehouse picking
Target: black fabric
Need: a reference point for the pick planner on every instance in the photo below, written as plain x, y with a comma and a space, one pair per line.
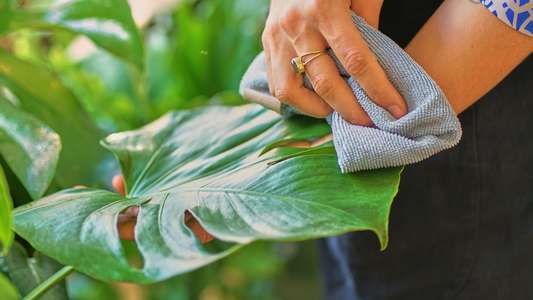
461, 226
401, 19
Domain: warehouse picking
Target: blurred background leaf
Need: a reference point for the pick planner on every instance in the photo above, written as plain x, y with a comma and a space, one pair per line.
6, 206
5, 16
107, 22
40, 93
213, 46
28, 272
9, 292
29, 147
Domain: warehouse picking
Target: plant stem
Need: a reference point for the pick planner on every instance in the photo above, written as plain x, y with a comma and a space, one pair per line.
49, 283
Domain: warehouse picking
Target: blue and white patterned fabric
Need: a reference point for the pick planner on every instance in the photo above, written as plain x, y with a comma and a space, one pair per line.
429, 126
515, 13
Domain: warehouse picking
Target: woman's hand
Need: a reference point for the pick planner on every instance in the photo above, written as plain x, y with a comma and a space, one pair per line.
126, 221
295, 27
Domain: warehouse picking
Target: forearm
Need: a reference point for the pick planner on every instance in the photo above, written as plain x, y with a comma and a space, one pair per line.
467, 51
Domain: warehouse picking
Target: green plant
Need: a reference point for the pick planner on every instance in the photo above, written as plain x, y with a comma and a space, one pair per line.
53, 112
221, 165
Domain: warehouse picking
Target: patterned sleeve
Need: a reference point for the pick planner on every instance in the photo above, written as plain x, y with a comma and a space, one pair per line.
515, 13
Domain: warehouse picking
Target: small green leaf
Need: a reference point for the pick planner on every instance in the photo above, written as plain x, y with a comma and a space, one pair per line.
108, 23
42, 95
28, 273
207, 162
6, 206
29, 147
9, 292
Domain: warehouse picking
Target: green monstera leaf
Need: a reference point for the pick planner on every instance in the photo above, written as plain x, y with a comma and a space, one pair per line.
108, 23
29, 147
209, 162
41, 94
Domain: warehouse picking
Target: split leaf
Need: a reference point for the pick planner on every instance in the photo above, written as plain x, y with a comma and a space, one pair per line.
208, 162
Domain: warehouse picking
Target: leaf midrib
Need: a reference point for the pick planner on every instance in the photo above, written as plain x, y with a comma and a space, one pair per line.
236, 191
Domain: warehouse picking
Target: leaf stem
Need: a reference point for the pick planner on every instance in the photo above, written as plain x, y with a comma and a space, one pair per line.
49, 283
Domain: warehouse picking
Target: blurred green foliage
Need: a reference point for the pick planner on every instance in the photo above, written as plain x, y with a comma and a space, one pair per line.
195, 55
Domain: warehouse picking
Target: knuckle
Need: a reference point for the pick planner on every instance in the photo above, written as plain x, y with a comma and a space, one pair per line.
269, 35
289, 20
356, 63
352, 118
318, 7
265, 37
284, 95
323, 86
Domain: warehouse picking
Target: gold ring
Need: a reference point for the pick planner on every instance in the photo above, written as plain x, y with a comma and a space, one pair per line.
298, 64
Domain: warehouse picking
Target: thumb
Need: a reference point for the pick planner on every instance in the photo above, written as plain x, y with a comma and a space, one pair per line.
118, 184
369, 10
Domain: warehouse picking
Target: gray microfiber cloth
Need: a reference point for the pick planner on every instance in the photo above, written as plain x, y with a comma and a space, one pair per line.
429, 126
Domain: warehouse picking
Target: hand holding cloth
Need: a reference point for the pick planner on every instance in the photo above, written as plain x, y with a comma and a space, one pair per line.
429, 127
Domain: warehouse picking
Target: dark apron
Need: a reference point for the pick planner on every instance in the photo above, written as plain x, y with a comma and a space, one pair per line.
461, 226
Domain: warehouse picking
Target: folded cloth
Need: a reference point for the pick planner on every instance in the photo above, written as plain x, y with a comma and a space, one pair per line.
430, 125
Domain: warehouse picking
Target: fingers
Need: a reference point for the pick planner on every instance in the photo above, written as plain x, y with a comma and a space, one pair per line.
126, 225
132, 210
311, 144
288, 87
333, 89
360, 63
284, 83
200, 233
330, 86
118, 184
322, 140
298, 27
126, 221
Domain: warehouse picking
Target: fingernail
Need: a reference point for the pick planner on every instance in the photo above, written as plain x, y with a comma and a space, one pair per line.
396, 111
